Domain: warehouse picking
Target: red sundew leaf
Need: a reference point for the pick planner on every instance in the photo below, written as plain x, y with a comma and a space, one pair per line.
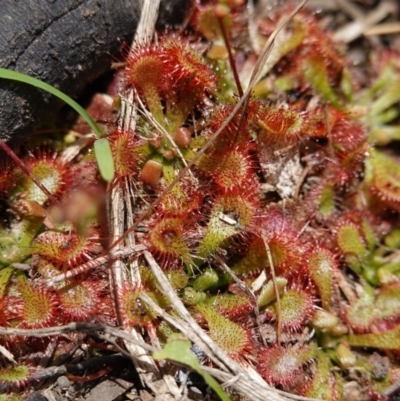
48, 170
66, 249
124, 152
229, 336
232, 212
229, 167
40, 306
281, 365
80, 300
383, 177
187, 70
167, 240
322, 265
15, 377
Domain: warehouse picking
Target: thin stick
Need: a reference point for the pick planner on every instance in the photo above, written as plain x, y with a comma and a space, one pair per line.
221, 358
242, 285
131, 241
101, 260
329, 131
246, 289
345, 287
304, 173
246, 385
116, 209
230, 55
385, 28
72, 328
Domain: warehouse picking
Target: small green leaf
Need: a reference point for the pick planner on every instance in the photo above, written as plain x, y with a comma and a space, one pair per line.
387, 99
316, 74
177, 349
104, 158
5, 275
208, 279
350, 241
268, 294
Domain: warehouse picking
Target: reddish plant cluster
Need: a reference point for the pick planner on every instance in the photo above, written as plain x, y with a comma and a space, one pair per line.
49, 233
292, 197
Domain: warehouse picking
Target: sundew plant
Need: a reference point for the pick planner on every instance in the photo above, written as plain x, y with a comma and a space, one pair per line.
275, 223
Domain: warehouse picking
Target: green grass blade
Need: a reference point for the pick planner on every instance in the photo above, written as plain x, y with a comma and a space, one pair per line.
18, 76
102, 147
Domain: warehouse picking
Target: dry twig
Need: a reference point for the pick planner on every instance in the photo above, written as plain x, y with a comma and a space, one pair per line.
73, 328
121, 212
97, 262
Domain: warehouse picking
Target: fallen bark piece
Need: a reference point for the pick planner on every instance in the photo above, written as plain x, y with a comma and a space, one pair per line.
67, 44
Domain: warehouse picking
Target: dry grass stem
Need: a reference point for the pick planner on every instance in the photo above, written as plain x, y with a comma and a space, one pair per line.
356, 28
276, 289
387, 28
100, 261
121, 214
229, 380
147, 23
73, 328
350, 9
